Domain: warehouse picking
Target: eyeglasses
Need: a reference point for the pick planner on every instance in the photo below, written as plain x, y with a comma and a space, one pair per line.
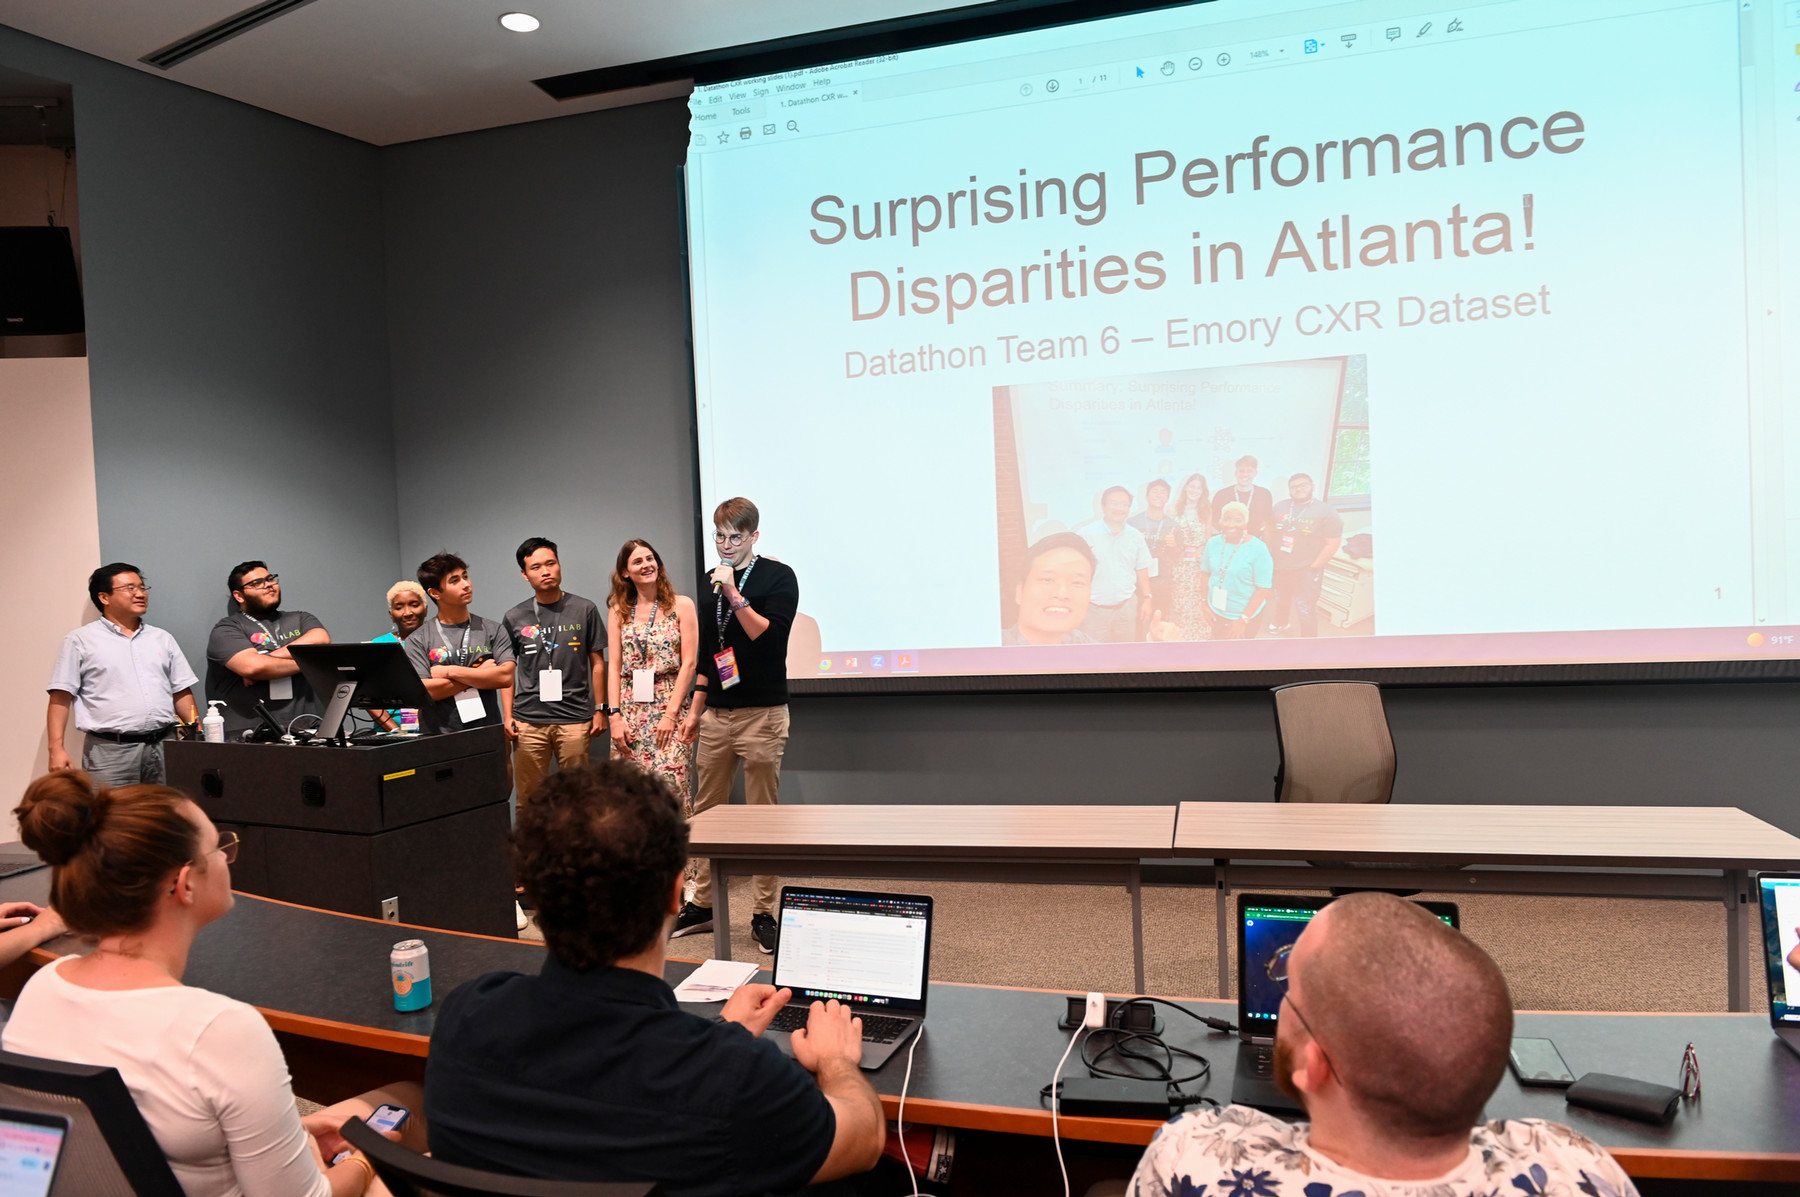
1289, 999
734, 539
1690, 1073
228, 844
261, 583
129, 590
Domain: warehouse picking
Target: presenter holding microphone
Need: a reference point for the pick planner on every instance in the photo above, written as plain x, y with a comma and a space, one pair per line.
740, 697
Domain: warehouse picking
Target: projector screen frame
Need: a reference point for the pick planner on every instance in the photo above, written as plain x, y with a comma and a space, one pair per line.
912, 33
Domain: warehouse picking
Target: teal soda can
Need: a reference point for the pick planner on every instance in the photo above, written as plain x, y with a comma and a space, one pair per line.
410, 965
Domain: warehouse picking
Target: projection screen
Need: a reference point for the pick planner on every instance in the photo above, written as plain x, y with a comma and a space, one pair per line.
1485, 316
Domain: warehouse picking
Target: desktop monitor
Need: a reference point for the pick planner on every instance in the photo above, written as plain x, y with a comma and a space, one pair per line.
347, 676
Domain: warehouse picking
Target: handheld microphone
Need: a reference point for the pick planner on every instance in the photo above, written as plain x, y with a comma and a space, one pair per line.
719, 587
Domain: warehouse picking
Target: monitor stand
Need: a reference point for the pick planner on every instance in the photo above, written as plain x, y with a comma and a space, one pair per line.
331, 727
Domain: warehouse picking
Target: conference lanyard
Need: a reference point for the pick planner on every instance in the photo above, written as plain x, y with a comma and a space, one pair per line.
1225, 570
462, 654
644, 630
722, 609
543, 650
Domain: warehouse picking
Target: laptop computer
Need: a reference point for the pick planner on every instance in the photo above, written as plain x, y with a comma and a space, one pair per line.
1267, 926
870, 951
1780, 895
31, 1142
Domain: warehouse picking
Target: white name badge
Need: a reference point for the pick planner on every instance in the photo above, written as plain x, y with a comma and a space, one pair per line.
549, 685
1154, 565
1221, 599
281, 688
469, 707
643, 685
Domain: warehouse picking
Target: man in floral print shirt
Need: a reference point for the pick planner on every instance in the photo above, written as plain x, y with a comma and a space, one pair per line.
1393, 1033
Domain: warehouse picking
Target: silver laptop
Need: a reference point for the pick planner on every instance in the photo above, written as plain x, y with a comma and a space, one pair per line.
1780, 893
870, 951
1267, 926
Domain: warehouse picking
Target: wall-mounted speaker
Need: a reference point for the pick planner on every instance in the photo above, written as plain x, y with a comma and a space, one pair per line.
40, 291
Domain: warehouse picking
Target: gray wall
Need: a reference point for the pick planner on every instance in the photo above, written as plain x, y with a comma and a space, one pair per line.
540, 369
259, 387
1657, 745
237, 354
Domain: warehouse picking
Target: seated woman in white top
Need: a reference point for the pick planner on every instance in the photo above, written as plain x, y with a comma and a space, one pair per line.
138, 871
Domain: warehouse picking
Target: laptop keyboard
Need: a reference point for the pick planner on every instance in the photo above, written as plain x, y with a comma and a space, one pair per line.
877, 1028
1261, 1059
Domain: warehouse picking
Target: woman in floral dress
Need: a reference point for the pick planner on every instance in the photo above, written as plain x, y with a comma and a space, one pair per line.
653, 642
1192, 507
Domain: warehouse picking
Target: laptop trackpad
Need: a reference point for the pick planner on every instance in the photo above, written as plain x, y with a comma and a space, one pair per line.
874, 1055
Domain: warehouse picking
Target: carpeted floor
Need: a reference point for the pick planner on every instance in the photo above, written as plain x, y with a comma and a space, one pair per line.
1557, 953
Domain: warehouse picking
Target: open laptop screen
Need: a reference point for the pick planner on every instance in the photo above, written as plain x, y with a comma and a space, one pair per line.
29, 1145
1781, 933
1267, 929
867, 948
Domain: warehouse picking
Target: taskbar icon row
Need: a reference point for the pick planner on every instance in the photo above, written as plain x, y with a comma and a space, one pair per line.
853, 664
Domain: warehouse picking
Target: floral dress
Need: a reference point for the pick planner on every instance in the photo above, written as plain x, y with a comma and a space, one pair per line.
1190, 539
656, 646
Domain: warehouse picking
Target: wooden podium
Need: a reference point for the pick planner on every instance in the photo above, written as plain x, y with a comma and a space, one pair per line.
422, 821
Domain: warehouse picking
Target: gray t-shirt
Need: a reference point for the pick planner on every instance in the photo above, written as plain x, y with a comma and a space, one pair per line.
231, 636
1301, 530
469, 643
558, 635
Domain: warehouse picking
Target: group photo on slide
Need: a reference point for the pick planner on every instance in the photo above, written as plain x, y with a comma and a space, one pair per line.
1130, 508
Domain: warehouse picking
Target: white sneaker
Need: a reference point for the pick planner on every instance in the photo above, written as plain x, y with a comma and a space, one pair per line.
519, 913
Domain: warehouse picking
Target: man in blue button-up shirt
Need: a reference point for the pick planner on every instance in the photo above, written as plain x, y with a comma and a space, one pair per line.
125, 681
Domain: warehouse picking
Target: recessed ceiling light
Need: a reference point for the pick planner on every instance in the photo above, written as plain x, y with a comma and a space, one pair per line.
519, 22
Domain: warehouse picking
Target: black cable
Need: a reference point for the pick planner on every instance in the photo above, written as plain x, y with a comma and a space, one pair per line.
1130, 1055
1223, 1026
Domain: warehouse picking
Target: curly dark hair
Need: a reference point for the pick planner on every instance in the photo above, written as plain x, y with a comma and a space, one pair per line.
598, 850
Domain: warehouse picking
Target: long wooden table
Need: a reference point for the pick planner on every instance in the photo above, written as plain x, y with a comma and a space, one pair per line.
1099, 845
1612, 851
321, 980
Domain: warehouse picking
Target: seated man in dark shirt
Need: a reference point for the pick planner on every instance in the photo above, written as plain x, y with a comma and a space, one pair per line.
590, 1071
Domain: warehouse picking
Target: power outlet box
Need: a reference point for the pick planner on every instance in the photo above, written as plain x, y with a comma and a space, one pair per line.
1136, 1016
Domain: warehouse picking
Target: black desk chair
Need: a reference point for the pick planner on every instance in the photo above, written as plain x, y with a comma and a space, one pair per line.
109, 1151
408, 1174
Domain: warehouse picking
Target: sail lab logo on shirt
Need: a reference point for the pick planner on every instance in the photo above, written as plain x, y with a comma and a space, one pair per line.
545, 635
260, 638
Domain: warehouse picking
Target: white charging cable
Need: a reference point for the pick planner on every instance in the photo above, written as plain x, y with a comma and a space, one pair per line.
1056, 1104
900, 1118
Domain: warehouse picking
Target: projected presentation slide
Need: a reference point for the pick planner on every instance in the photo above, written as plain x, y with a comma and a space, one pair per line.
1248, 336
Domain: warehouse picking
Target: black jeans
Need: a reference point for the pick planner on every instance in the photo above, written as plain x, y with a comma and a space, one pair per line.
1299, 589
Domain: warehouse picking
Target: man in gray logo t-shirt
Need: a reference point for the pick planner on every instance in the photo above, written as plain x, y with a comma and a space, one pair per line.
463, 659
556, 637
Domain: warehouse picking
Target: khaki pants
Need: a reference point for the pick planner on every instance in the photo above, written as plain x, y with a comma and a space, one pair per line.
757, 736
538, 744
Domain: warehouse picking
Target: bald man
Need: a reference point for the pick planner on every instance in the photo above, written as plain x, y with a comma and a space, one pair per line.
1393, 1033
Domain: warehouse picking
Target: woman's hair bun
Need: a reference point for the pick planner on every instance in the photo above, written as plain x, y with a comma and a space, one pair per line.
60, 814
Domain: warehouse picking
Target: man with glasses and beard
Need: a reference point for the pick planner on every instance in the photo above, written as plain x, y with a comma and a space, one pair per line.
1393, 1033
746, 608
125, 682
247, 658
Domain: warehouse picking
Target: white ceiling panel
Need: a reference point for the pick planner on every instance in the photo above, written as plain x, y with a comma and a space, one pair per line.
387, 71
